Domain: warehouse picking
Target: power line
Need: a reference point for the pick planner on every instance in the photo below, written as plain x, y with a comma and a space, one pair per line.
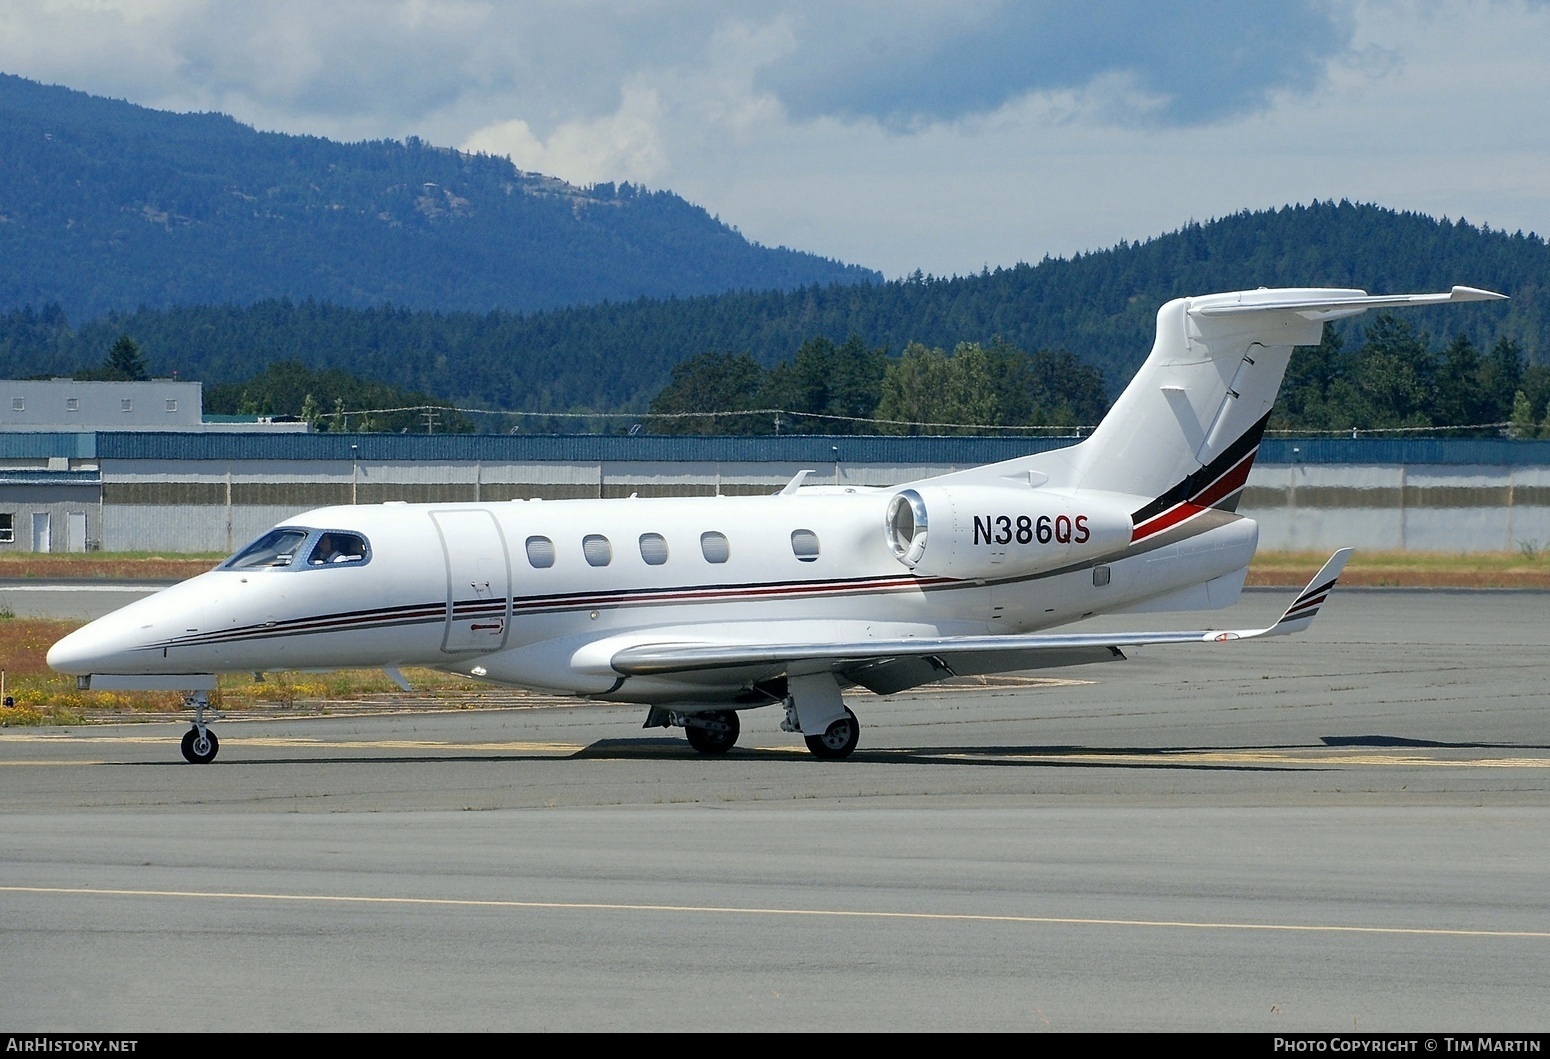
783, 414
767, 412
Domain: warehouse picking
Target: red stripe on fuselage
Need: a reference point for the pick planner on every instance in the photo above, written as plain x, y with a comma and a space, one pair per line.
1220, 489
1172, 517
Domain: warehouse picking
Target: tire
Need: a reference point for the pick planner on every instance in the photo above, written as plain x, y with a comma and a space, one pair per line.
839, 741
714, 740
197, 751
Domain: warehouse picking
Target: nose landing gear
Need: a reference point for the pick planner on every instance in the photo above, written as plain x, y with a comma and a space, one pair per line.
199, 743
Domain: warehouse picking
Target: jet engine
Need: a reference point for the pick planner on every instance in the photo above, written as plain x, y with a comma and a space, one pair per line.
994, 531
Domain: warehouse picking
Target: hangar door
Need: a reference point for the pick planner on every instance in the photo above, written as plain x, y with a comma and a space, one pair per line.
478, 580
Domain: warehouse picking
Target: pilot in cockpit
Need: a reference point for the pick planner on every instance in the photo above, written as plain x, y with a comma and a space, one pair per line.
336, 548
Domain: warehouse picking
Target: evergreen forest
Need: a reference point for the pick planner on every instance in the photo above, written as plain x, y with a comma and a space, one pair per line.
1069, 320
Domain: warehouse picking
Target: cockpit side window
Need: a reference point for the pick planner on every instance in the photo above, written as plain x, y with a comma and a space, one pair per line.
334, 546
275, 548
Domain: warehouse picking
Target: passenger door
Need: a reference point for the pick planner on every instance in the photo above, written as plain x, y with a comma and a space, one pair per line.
478, 581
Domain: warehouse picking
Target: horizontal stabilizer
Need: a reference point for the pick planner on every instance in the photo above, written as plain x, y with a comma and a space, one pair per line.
1330, 305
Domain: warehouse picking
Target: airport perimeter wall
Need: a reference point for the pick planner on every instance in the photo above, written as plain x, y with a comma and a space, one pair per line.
188, 492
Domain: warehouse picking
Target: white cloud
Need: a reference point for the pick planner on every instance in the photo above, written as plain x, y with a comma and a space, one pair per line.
625, 145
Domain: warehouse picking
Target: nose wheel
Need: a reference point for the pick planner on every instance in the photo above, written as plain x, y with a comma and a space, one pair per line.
200, 748
199, 743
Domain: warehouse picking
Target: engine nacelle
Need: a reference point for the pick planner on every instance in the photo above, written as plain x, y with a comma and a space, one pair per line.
994, 531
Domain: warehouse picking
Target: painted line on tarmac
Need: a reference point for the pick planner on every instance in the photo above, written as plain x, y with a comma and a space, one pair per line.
295, 742
1292, 757
144, 590
1288, 758
748, 910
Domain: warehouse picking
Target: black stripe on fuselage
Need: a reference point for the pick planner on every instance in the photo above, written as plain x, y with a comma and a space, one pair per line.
431, 613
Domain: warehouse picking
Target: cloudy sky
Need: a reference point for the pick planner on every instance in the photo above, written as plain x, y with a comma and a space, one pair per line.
898, 135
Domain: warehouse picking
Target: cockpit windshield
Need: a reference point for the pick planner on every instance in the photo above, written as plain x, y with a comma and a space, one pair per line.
275, 548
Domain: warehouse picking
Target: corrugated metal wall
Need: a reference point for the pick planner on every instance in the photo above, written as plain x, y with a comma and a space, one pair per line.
213, 492
1441, 508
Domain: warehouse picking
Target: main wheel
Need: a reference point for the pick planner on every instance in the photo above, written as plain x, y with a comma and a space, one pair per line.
717, 739
839, 740
200, 750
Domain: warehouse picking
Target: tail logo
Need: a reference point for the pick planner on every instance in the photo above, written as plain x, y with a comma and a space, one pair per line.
1215, 485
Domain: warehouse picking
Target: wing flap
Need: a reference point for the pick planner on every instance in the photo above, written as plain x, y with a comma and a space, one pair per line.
888, 675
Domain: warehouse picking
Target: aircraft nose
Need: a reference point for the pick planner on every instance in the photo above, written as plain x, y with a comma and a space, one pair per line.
124, 641
77, 652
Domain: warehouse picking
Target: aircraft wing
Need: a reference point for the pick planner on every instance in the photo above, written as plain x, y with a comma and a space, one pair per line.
886, 666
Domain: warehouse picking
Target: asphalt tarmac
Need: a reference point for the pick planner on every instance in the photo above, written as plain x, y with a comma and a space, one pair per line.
1343, 831
80, 599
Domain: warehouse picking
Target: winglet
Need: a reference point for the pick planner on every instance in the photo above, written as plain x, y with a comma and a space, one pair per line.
1304, 608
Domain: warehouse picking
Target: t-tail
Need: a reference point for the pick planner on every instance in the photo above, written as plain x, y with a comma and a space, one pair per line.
1186, 430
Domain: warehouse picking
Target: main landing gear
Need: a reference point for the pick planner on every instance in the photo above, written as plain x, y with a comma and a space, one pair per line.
709, 731
814, 709
199, 743
712, 733
838, 740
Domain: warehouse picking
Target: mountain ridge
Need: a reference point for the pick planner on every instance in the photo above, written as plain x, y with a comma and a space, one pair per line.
107, 206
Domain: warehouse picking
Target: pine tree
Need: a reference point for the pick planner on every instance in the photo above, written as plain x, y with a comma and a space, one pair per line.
124, 361
1522, 425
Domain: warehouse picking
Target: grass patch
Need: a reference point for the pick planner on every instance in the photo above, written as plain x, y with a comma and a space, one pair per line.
43, 697
1525, 568
112, 566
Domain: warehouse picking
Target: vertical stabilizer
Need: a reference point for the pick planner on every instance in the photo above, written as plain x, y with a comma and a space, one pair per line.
1203, 392
1187, 428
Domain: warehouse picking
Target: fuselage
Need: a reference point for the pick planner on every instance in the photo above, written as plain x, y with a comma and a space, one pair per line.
540, 593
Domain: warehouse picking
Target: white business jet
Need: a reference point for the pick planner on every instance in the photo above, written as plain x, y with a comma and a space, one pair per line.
702, 607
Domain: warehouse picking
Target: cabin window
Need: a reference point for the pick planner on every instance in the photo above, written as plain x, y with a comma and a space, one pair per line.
126, 405
275, 548
72, 404
596, 548
172, 405
540, 553
7, 528
18, 404
335, 547
804, 545
714, 547
653, 548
